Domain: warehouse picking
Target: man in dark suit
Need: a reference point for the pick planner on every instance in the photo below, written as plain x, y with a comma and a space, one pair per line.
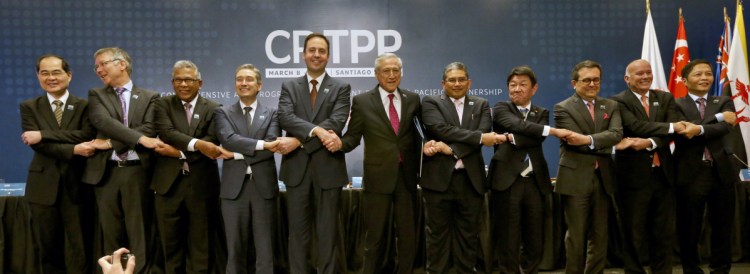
249, 185
123, 115
585, 176
384, 116
453, 179
56, 126
309, 107
707, 174
519, 176
187, 181
645, 171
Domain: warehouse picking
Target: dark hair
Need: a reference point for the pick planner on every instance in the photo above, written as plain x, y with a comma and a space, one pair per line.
690, 66
455, 66
584, 64
319, 35
65, 65
522, 70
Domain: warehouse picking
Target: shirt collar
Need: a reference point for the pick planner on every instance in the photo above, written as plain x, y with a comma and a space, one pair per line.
639, 96
319, 78
528, 106
384, 94
192, 102
128, 86
254, 105
63, 99
695, 97
462, 99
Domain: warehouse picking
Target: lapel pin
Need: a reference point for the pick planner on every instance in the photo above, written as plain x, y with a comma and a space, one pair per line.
135, 96
262, 117
716, 100
196, 116
602, 107
471, 103
71, 107
325, 91
656, 104
532, 114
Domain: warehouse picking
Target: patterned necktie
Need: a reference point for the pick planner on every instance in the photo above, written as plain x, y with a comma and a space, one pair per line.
121, 93
702, 109
460, 110
393, 114
188, 112
58, 111
248, 118
524, 112
313, 93
644, 103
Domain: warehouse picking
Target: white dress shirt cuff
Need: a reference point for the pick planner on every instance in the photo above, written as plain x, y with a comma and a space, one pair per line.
591, 146
259, 145
238, 156
191, 145
545, 132
653, 145
671, 128
719, 117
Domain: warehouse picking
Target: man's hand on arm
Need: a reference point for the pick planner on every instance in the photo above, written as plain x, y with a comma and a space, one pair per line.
209, 149
333, 144
730, 117
101, 144
31, 137
167, 150
488, 139
149, 142
640, 143
287, 145
84, 149
577, 139
560, 132
624, 144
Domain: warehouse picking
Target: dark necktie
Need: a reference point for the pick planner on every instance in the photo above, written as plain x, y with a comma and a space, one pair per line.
188, 112
524, 112
526, 161
248, 118
58, 111
313, 93
702, 109
393, 114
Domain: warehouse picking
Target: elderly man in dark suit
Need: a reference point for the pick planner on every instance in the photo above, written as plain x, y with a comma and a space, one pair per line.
187, 178
56, 127
123, 115
384, 116
453, 173
247, 131
309, 107
645, 171
585, 176
706, 173
519, 176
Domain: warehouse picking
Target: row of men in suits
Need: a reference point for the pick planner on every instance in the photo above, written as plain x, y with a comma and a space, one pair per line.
126, 121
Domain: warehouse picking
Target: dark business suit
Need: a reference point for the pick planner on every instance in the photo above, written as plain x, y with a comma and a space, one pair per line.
313, 175
185, 202
704, 182
391, 167
645, 190
121, 192
518, 201
586, 190
248, 200
54, 191
453, 197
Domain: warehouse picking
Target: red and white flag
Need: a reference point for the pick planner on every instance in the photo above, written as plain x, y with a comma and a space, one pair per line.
650, 52
680, 58
737, 74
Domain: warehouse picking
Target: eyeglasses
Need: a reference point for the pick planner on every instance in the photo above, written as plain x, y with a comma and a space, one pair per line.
187, 81
55, 73
390, 71
588, 81
96, 66
461, 80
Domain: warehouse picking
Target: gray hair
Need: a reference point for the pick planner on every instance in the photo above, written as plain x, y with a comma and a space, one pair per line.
388, 55
186, 64
117, 54
455, 66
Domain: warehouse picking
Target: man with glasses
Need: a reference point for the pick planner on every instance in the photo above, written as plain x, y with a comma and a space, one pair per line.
453, 173
123, 115
56, 127
187, 181
585, 176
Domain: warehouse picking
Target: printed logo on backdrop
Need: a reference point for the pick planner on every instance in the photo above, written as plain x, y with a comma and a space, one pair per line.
284, 48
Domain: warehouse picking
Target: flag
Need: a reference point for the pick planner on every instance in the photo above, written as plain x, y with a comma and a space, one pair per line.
651, 54
680, 58
722, 58
737, 73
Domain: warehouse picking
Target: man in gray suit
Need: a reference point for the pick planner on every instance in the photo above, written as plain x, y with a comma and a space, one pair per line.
187, 178
123, 115
249, 186
585, 175
313, 109
453, 174
56, 126
384, 116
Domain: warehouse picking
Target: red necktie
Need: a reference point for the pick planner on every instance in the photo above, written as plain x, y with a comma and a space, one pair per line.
313, 93
393, 114
644, 103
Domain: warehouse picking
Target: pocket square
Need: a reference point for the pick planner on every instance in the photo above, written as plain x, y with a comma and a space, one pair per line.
606, 116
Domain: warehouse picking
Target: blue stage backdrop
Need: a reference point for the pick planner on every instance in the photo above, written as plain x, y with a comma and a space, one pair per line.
490, 36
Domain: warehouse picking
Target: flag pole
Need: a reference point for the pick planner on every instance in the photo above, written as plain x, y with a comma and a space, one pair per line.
648, 6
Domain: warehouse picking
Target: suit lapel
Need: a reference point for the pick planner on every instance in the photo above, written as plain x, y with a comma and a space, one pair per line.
580, 107
377, 102
45, 110
533, 115
712, 107
199, 112
599, 110
114, 101
467, 117
635, 103
69, 111
135, 108
406, 103
304, 96
690, 108
451, 108
323, 92
238, 118
259, 117
178, 110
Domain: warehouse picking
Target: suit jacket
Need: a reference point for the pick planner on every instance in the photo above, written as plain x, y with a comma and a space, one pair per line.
106, 116
577, 163
173, 128
383, 148
508, 161
633, 168
54, 162
441, 120
298, 119
232, 131
688, 153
